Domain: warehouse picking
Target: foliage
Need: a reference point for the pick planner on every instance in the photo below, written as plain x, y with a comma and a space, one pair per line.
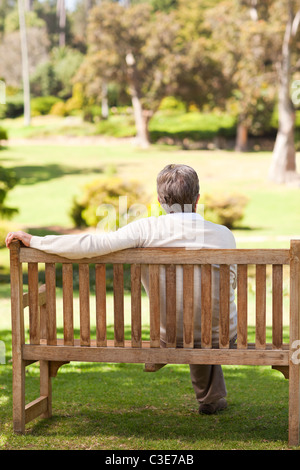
13, 107
225, 209
66, 62
59, 109
193, 125
10, 64
43, 81
42, 105
8, 180
118, 125
248, 48
102, 206
3, 135
54, 76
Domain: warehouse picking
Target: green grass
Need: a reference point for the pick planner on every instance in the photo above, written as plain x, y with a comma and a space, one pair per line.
119, 406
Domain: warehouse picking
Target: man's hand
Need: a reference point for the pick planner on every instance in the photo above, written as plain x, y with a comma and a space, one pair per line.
22, 236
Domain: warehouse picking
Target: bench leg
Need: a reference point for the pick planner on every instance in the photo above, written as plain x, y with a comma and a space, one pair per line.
294, 405
46, 387
19, 396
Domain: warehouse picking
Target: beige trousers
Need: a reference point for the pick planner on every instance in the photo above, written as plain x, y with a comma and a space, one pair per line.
208, 381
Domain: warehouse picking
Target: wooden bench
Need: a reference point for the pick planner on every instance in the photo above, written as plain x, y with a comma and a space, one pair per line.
43, 345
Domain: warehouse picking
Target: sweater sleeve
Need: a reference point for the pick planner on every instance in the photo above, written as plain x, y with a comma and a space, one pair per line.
88, 245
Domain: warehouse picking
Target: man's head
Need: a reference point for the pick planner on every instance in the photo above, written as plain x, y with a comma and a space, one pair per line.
178, 188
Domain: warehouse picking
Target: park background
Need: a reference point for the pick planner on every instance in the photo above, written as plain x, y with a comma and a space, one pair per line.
103, 97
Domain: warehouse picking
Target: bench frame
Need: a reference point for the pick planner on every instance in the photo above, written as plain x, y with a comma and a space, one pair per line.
51, 352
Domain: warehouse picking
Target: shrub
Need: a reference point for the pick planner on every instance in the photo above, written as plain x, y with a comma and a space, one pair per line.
75, 103
3, 135
8, 180
43, 104
14, 106
225, 209
59, 109
100, 205
172, 103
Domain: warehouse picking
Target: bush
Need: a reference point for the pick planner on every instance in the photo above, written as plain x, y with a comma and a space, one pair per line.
117, 126
100, 205
43, 104
8, 180
172, 103
3, 135
75, 103
195, 126
225, 209
59, 109
44, 81
13, 108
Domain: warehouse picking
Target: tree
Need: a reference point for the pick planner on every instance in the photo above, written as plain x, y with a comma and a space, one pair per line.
129, 46
283, 164
244, 41
62, 21
25, 63
10, 64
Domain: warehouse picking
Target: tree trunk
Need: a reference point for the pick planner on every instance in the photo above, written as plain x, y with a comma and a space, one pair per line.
61, 13
283, 164
140, 115
141, 118
241, 144
25, 66
104, 101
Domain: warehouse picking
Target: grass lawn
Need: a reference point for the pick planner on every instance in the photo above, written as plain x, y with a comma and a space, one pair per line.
119, 406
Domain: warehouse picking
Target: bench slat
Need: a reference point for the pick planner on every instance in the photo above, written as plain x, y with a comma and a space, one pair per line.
156, 355
242, 306
277, 311
118, 304
171, 305
100, 281
136, 307
154, 305
260, 330
67, 282
169, 256
188, 306
84, 304
206, 307
224, 306
33, 298
50, 279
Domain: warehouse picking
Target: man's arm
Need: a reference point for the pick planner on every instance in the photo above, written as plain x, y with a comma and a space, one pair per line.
86, 245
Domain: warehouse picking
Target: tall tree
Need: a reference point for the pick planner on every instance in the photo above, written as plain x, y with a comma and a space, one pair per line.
245, 46
283, 164
129, 46
62, 21
25, 63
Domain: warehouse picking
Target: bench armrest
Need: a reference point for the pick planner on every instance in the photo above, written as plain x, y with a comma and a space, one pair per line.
42, 296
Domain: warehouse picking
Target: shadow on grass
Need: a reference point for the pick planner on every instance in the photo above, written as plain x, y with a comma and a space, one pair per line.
32, 174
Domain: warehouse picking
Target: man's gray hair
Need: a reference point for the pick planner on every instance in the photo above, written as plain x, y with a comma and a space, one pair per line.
178, 188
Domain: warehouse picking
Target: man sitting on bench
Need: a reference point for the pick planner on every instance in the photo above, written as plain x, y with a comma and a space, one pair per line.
178, 193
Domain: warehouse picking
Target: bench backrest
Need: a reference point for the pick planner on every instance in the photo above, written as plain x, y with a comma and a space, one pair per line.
263, 263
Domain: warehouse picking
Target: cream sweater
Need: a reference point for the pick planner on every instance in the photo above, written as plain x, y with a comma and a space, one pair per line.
187, 230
